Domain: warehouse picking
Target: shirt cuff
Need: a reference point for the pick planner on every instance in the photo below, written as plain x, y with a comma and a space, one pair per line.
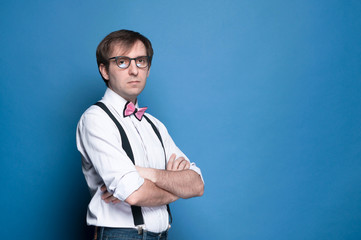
193, 167
127, 185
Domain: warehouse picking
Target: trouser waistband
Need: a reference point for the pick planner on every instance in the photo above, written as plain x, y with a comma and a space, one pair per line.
101, 231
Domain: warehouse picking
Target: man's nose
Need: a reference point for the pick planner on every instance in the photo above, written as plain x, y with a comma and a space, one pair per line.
133, 69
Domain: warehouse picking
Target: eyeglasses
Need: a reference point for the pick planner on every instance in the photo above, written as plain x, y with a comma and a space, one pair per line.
123, 62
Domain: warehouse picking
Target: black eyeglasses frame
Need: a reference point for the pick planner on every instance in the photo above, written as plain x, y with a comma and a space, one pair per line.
130, 60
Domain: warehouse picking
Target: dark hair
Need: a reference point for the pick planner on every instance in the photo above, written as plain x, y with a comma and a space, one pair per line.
124, 38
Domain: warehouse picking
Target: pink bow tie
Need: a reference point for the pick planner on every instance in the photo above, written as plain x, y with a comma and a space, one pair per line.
130, 109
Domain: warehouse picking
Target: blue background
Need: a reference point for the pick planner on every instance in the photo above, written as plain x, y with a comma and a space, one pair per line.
265, 98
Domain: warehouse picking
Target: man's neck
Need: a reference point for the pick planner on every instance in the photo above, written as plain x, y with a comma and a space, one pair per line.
130, 99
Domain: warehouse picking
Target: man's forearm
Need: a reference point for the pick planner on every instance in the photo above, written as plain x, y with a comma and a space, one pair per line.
184, 184
161, 187
149, 195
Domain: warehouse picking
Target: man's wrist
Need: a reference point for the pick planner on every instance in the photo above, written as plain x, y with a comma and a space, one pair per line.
150, 174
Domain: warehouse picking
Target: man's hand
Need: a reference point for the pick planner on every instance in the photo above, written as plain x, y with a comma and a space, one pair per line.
178, 164
107, 196
177, 179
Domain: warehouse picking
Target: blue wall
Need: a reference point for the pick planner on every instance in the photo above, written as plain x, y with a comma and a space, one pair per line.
266, 99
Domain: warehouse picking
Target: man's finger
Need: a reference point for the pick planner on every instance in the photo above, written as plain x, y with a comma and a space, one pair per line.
106, 195
111, 199
170, 162
176, 163
183, 165
116, 201
188, 165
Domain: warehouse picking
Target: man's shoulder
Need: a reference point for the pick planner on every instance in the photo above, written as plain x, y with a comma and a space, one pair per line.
153, 119
92, 111
93, 115
161, 127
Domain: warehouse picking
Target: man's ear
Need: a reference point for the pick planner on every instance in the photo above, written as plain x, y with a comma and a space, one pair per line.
148, 72
103, 71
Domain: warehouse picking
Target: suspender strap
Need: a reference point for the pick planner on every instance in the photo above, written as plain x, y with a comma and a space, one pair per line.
125, 141
158, 135
136, 210
161, 141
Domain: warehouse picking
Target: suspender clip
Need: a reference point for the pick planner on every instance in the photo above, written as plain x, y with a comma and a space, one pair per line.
140, 229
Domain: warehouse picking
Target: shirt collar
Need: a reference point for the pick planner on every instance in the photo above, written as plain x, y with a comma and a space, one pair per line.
116, 101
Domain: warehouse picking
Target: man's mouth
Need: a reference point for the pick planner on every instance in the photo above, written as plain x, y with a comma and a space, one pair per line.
134, 81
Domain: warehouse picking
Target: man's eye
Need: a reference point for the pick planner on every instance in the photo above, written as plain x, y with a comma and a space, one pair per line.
122, 62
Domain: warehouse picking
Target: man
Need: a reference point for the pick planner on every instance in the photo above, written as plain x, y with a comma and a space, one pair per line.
130, 200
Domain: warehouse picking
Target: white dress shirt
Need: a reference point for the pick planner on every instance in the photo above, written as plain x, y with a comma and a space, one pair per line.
105, 162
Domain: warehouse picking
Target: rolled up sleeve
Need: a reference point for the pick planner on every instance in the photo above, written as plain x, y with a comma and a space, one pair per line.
98, 140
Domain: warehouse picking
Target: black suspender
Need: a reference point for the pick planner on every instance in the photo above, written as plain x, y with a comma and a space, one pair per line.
136, 210
158, 135
160, 139
125, 141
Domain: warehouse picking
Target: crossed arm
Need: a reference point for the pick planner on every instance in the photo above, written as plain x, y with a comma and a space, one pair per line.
161, 187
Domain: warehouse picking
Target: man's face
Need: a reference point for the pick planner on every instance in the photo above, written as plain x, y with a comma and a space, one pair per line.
129, 82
